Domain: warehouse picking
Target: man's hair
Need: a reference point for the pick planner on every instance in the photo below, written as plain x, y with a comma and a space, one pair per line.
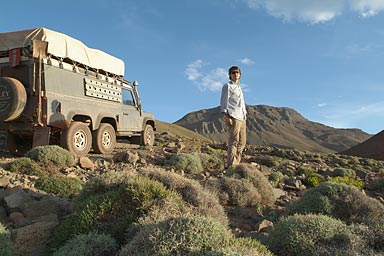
233, 68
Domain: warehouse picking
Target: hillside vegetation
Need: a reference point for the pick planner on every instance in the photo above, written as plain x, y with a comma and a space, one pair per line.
176, 198
273, 126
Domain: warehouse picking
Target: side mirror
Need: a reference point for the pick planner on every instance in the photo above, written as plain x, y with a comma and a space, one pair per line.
135, 83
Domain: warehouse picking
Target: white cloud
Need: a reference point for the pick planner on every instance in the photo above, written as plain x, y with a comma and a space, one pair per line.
214, 80
367, 8
247, 61
316, 11
192, 70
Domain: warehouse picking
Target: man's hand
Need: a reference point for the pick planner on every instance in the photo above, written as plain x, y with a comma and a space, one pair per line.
228, 119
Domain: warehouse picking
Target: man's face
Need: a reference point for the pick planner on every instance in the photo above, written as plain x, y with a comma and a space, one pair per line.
235, 75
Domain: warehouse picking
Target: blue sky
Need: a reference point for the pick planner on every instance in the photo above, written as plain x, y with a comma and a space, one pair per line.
323, 58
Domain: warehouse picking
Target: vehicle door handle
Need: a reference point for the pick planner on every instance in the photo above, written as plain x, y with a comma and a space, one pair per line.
125, 114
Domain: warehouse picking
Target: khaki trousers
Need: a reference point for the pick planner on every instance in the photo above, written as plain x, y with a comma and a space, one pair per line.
236, 142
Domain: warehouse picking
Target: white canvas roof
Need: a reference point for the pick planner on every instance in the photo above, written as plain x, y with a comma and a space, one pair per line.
63, 46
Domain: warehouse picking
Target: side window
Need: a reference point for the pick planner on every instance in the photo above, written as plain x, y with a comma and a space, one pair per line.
128, 98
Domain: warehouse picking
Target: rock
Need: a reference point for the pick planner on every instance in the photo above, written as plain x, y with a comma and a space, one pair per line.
127, 157
18, 219
33, 210
16, 201
3, 214
31, 239
86, 163
264, 226
4, 181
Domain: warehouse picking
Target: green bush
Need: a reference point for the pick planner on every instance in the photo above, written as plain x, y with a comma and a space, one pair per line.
276, 177
59, 185
259, 181
51, 153
314, 180
341, 201
243, 246
377, 185
111, 209
91, 244
212, 161
306, 171
315, 235
347, 180
25, 165
200, 200
343, 172
189, 163
6, 247
234, 191
178, 236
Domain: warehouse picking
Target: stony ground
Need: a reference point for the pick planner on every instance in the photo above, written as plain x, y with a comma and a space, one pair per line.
244, 221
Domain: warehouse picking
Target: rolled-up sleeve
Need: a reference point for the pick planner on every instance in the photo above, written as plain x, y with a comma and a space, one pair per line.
224, 99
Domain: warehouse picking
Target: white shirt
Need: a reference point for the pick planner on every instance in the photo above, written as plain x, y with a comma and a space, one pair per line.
232, 101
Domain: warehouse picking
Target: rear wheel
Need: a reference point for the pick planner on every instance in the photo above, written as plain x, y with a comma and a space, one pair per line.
104, 139
77, 139
18, 145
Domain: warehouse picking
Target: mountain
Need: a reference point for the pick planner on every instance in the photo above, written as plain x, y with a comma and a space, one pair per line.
371, 148
276, 126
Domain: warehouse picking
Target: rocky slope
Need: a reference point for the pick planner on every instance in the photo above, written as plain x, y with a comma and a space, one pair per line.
273, 126
371, 148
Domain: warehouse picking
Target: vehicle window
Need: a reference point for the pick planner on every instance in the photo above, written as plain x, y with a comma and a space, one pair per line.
128, 97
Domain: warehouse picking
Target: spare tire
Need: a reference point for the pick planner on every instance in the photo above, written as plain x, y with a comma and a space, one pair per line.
13, 98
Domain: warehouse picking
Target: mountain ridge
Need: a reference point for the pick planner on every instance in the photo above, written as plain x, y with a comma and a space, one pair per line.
276, 126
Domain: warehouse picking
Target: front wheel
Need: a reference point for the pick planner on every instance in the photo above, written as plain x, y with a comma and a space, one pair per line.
104, 139
77, 139
148, 136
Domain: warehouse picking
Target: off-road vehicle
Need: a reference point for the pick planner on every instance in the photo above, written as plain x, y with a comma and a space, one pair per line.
56, 90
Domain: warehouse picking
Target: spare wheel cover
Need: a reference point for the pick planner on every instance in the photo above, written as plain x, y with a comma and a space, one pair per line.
13, 98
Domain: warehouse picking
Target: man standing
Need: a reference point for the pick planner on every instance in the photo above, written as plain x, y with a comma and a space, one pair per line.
233, 106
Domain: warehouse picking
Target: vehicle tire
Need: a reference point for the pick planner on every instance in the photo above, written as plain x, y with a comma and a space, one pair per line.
148, 136
104, 139
18, 145
13, 98
77, 139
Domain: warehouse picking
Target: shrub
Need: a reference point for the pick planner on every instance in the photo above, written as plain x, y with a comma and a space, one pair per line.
315, 235
212, 161
244, 246
91, 244
341, 201
200, 200
59, 185
178, 236
377, 185
343, 172
314, 180
306, 171
6, 247
190, 163
347, 180
233, 191
51, 153
25, 165
276, 177
113, 208
258, 180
